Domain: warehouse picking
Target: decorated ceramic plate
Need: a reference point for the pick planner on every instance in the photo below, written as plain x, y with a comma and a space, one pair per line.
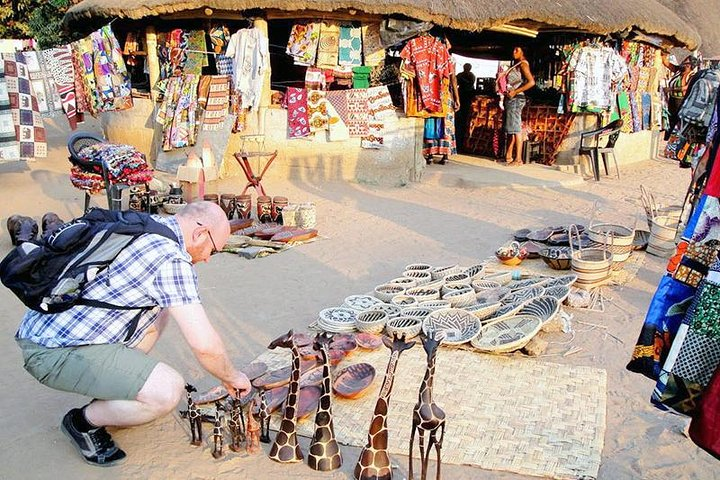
338, 316
544, 307
507, 335
354, 380
360, 303
458, 325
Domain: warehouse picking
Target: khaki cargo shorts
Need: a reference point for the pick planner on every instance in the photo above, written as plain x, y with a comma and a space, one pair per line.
105, 372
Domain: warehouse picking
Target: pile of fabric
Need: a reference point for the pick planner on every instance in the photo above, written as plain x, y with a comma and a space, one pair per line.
124, 163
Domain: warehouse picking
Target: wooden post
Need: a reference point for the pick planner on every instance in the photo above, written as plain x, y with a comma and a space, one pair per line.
153, 63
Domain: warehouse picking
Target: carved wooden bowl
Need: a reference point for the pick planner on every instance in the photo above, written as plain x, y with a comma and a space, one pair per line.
387, 291
314, 376
274, 398
507, 335
475, 271
308, 398
281, 376
371, 321
459, 325
346, 344
403, 301
422, 294
408, 326
421, 277
391, 310
560, 292
210, 396
354, 380
435, 304
544, 307
461, 298
523, 295
481, 285
417, 312
368, 341
483, 310
360, 303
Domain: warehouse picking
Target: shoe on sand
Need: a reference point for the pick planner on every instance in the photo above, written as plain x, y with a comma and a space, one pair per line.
96, 446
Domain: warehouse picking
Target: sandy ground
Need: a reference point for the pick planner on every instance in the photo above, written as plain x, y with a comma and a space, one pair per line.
369, 234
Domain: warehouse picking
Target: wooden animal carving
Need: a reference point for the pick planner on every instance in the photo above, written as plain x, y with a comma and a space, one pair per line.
252, 443
264, 413
194, 417
236, 424
428, 417
286, 448
374, 460
324, 453
218, 431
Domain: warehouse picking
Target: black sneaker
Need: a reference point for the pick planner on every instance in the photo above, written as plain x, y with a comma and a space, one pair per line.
95, 446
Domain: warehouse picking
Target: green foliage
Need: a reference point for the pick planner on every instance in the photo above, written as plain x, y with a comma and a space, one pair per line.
37, 19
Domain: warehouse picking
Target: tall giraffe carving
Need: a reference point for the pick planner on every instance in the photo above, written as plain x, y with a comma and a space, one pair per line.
374, 460
324, 454
286, 448
218, 431
428, 417
236, 423
194, 417
264, 414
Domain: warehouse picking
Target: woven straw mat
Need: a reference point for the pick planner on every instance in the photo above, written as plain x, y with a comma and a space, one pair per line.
517, 415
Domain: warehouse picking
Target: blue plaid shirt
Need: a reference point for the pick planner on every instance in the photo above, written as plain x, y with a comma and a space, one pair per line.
152, 271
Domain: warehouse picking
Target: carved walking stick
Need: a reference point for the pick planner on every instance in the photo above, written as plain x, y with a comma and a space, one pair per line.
374, 460
428, 417
194, 417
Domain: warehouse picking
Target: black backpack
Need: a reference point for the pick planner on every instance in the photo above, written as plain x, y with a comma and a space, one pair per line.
50, 274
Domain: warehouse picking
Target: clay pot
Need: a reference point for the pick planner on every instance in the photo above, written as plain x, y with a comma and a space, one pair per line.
243, 206
227, 203
212, 197
264, 209
278, 205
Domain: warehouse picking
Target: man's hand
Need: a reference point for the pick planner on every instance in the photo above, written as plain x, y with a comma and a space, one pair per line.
238, 386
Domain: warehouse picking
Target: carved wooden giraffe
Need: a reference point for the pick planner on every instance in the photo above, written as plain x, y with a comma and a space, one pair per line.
286, 448
252, 443
374, 460
218, 431
428, 417
324, 453
236, 424
264, 414
194, 416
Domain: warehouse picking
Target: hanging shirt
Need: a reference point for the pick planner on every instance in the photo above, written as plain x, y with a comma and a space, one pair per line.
428, 60
251, 57
597, 70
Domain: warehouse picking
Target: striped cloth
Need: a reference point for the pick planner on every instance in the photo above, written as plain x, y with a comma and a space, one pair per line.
214, 97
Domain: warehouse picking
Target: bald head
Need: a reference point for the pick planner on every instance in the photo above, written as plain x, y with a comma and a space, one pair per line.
199, 217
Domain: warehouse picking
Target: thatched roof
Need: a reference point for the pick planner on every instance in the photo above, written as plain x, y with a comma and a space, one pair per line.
594, 16
705, 18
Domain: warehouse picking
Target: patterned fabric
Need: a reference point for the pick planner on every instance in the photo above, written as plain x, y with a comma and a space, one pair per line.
327, 55
81, 93
172, 52
297, 106
315, 79
249, 49
196, 56
646, 108
705, 425
125, 164
317, 110
337, 130
214, 99
625, 112
9, 146
83, 51
43, 86
357, 116
350, 46
444, 141
374, 137
636, 113
224, 64
303, 43
111, 76
152, 271
59, 64
176, 113
426, 60
379, 103
596, 72
219, 38
343, 76
373, 50
338, 99
361, 77
29, 128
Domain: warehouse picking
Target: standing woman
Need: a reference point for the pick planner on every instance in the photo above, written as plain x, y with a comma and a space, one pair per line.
677, 89
519, 79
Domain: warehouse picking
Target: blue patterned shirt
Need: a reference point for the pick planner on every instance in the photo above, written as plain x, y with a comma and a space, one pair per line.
152, 271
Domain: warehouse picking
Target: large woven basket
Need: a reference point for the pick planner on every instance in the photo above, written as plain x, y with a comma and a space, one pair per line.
507, 335
408, 326
591, 265
371, 321
459, 326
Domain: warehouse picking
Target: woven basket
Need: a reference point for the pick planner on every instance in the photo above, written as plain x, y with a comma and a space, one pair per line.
507, 335
391, 310
403, 301
416, 312
455, 287
492, 295
408, 326
663, 230
544, 307
457, 279
442, 272
483, 310
422, 294
421, 277
419, 267
506, 311
501, 277
371, 321
173, 208
458, 325
475, 271
557, 258
435, 304
591, 265
560, 292
482, 285
361, 303
461, 298
519, 297
387, 291
406, 282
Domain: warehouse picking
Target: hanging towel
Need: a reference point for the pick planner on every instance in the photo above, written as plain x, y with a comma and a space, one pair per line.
317, 110
214, 97
357, 102
350, 46
380, 104
315, 79
43, 85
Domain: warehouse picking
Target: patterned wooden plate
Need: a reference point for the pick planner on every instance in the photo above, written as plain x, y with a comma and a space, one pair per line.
354, 380
308, 401
368, 341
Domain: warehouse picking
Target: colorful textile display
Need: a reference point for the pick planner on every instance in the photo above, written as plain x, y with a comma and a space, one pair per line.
705, 425
196, 56
426, 62
111, 76
374, 137
125, 165
297, 107
83, 52
315, 79
625, 112
636, 113
327, 55
317, 110
214, 99
251, 59
338, 99
172, 52
219, 38
337, 129
343, 76
373, 50
361, 77
176, 113
59, 64
81, 93
43, 86
440, 134
350, 46
596, 73
29, 128
9, 146
357, 112
303, 43
380, 104
646, 108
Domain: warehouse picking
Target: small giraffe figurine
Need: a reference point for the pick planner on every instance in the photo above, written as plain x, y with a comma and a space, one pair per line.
286, 448
264, 415
324, 453
374, 460
194, 416
428, 418
252, 443
218, 431
236, 423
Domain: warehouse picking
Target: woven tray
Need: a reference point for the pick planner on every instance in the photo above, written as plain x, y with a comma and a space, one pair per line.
459, 325
507, 335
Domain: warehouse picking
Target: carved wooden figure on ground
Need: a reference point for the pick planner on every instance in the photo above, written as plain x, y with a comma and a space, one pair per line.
252, 443
374, 461
194, 417
324, 453
286, 448
218, 431
264, 414
428, 418
236, 424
